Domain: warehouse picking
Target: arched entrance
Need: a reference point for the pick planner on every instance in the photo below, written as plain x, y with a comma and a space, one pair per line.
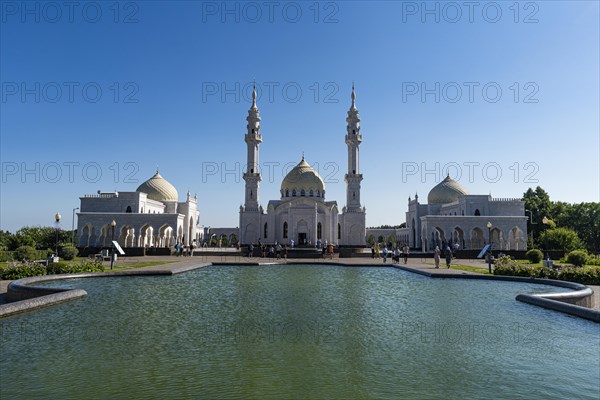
477, 238
302, 229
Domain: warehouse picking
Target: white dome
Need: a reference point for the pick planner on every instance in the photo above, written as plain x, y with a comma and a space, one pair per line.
447, 191
159, 189
303, 177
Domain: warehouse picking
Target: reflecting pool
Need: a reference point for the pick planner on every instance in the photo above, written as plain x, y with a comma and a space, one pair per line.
304, 332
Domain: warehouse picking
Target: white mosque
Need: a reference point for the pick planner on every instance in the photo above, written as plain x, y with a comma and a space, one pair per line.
453, 216
302, 214
152, 216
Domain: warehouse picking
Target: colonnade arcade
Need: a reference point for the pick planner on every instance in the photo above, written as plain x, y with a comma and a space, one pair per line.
145, 235
475, 238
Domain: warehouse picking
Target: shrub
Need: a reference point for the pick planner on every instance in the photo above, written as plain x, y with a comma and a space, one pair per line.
561, 239
67, 251
593, 260
588, 275
76, 267
26, 253
577, 258
22, 270
534, 256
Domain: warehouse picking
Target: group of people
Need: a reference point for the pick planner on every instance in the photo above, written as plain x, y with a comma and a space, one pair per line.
276, 250
181, 250
396, 253
327, 249
447, 254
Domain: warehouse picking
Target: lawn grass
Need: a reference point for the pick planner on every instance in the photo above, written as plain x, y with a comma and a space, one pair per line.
468, 268
123, 267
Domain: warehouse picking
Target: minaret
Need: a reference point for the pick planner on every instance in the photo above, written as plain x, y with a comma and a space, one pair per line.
253, 138
353, 140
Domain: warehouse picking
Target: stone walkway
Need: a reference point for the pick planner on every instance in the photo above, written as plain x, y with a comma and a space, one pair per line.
422, 264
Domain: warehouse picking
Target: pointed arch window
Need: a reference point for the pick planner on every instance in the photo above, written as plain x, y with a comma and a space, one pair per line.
477, 213
285, 230
318, 193
265, 230
311, 193
302, 193
293, 192
128, 210
319, 231
287, 193
339, 231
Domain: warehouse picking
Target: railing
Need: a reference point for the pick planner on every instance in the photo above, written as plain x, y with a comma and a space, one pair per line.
505, 199
100, 196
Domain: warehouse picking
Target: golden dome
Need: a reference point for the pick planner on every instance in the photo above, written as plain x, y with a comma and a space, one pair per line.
447, 191
159, 189
303, 177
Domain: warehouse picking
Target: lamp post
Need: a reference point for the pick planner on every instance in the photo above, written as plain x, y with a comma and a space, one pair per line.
531, 223
489, 226
112, 254
57, 226
73, 226
546, 221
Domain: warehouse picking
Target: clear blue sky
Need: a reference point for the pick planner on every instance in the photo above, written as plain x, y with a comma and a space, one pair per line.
162, 69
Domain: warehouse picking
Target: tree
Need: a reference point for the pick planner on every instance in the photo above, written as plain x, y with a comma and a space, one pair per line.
5, 240
538, 203
583, 218
391, 239
561, 239
371, 240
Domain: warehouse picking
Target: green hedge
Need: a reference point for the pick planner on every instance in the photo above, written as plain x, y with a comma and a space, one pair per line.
18, 270
62, 267
6, 256
589, 275
22, 270
67, 251
534, 256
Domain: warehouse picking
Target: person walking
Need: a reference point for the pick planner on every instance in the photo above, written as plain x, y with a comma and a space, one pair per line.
331, 251
278, 249
448, 256
250, 250
384, 251
396, 256
373, 251
377, 250
405, 250
436, 256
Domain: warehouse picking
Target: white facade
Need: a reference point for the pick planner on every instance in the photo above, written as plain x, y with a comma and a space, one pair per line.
302, 215
151, 216
454, 216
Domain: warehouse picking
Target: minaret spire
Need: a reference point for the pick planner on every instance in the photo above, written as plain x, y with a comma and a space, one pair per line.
352, 221
254, 96
353, 139
253, 139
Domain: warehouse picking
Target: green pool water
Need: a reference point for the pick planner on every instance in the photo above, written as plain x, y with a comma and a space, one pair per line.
298, 332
